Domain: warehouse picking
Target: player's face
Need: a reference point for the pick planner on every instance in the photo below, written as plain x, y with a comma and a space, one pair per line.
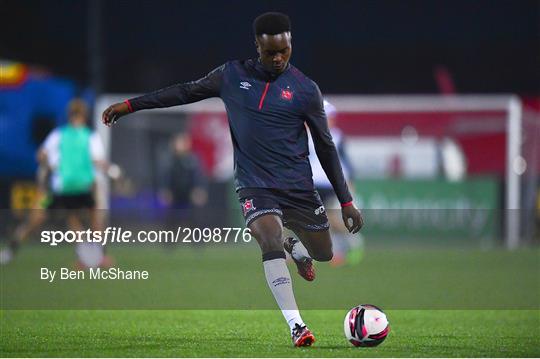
77, 120
274, 51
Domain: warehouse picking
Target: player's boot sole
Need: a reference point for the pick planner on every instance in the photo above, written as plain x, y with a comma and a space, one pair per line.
305, 341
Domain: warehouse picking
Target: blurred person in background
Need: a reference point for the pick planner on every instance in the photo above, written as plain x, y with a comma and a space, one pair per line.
184, 185
348, 248
68, 161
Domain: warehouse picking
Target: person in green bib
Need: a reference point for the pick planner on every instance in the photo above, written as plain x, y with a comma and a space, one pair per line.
72, 153
69, 159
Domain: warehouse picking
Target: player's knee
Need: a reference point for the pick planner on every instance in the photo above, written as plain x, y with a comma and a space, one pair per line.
266, 234
270, 239
271, 242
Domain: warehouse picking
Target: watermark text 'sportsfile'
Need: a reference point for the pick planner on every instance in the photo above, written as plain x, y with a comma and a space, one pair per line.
120, 235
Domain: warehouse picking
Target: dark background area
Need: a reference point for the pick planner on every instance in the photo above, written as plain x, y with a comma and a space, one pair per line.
363, 47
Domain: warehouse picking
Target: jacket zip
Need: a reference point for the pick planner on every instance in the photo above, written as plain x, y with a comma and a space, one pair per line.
263, 95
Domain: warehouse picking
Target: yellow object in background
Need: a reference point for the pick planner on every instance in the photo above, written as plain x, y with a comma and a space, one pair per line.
24, 195
12, 73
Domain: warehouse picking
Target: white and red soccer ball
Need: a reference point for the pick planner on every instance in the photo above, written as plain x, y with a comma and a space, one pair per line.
366, 326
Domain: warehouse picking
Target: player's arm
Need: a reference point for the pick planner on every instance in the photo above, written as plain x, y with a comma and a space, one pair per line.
179, 94
328, 156
44, 156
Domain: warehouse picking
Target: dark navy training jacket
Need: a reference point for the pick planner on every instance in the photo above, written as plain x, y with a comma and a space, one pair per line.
266, 114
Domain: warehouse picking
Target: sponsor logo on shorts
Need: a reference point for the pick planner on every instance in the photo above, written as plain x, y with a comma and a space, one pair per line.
319, 210
248, 206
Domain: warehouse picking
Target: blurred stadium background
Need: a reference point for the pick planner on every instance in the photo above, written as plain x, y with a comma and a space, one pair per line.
439, 102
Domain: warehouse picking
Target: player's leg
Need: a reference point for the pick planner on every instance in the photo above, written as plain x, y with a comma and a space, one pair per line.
83, 211
310, 246
268, 231
89, 255
318, 245
36, 218
305, 215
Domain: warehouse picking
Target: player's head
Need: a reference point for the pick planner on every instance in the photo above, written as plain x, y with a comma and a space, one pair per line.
77, 112
273, 40
181, 143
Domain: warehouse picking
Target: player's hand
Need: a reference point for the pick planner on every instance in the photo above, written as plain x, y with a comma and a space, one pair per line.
352, 218
113, 113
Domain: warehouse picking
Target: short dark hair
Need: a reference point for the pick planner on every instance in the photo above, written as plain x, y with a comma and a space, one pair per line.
271, 23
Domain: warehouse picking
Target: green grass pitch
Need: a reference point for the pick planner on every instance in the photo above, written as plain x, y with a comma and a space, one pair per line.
439, 302
262, 333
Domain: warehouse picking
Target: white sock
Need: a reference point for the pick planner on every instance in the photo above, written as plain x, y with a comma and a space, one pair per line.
279, 281
299, 252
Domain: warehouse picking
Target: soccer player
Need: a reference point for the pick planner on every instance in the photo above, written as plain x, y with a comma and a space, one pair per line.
268, 100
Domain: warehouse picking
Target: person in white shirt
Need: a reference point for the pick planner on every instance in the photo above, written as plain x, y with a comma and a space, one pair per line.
348, 248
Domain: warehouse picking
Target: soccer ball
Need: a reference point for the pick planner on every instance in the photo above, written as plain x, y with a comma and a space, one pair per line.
366, 326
